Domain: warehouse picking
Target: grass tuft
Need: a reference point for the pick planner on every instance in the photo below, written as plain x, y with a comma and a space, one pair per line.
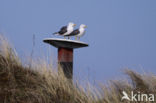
39, 83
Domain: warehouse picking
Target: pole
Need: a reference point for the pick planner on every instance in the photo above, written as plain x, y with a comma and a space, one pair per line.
65, 60
65, 53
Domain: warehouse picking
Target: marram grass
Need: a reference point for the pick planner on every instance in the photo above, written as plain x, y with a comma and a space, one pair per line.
39, 83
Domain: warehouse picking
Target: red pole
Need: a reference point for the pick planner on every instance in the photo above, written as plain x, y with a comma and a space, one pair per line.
65, 53
65, 60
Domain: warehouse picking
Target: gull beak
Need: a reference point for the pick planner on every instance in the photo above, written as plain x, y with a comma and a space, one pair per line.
85, 26
74, 24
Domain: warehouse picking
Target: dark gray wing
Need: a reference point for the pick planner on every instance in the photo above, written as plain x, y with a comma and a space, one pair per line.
63, 30
75, 32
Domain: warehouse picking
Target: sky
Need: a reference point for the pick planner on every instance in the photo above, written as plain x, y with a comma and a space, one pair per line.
120, 33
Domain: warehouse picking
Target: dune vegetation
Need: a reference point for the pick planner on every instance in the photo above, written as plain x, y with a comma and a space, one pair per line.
38, 82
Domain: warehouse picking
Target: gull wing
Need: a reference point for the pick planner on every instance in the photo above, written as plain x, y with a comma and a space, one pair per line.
75, 32
63, 30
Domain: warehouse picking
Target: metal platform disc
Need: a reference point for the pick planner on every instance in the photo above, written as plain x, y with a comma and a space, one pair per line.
66, 43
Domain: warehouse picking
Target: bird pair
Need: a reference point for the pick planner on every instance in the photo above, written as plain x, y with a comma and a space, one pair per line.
68, 31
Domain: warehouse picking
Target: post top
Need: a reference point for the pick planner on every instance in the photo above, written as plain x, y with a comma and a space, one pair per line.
65, 43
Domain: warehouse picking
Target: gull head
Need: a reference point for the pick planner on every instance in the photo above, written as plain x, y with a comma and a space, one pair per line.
71, 24
83, 26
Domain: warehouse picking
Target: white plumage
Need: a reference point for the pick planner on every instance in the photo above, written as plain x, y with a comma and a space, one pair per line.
66, 30
78, 32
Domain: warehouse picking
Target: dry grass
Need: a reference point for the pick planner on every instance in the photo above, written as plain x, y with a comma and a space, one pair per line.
39, 83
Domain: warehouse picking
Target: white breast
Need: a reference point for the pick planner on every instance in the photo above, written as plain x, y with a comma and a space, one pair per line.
69, 30
82, 32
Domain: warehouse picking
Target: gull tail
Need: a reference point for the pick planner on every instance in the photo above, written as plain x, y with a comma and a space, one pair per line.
56, 33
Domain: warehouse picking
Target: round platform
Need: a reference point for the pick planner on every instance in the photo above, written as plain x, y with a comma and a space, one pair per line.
65, 43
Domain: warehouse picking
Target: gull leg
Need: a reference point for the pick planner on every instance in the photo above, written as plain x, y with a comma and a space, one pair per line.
76, 37
68, 37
